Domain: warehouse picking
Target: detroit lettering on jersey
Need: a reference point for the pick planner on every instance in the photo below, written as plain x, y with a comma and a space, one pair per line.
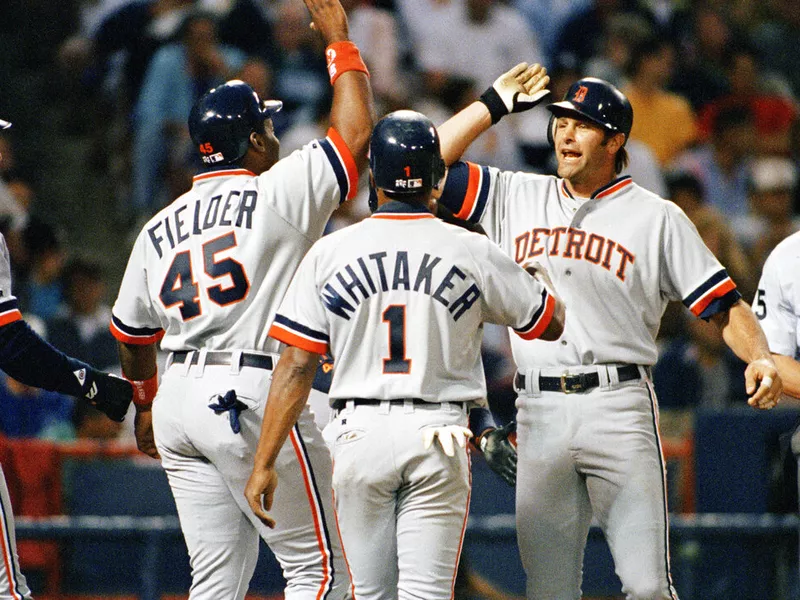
179, 225
569, 242
382, 271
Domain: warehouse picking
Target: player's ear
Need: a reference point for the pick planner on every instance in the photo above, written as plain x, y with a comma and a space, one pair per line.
258, 142
615, 142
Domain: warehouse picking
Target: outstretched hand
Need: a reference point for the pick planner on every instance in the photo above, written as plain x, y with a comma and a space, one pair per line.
329, 19
516, 90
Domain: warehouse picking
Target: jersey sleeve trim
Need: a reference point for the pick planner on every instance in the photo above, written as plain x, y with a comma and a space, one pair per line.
716, 294
9, 312
139, 336
466, 190
541, 319
344, 166
293, 333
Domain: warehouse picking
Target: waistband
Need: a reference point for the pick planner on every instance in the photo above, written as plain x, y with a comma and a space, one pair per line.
341, 403
220, 358
578, 382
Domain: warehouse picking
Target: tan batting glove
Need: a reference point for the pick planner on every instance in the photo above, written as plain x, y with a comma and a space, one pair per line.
517, 90
446, 435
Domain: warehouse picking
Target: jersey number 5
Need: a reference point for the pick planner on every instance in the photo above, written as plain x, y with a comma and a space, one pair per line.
181, 289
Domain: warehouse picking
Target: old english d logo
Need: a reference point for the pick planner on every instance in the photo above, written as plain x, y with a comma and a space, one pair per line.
580, 94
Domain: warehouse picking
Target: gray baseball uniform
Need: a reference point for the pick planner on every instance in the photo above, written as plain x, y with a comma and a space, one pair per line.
399, 301
587, 435
206, 276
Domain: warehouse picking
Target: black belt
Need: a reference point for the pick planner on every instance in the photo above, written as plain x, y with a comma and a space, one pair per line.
340, 403
257, 361
580, 382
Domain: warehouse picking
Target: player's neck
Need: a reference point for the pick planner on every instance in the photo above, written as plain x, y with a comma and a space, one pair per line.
584, 188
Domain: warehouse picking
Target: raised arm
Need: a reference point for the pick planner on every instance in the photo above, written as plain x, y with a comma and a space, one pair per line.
352, 109
517, 90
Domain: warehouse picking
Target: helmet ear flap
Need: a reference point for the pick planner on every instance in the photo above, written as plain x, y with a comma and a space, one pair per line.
551, 131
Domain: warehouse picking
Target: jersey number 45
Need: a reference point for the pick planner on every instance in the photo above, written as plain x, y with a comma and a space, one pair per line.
180, 287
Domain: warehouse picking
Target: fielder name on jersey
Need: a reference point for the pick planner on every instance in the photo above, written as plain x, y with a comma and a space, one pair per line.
400, 270
236, 211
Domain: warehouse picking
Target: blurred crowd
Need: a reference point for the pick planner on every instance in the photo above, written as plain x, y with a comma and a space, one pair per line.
714, 86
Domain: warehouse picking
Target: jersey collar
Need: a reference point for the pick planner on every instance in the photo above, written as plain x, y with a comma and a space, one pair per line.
397, 209
605, 191
221, 173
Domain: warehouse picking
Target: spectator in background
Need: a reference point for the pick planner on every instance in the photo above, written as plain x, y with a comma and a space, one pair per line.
26, 411
584, 35
80, 329
698, 370
772, 185
722, 164
776, 39
685, 190
301, 79
626, 32
547, 18
375, 31
177, 75
703, 36
41, 291
750, 85
664, 121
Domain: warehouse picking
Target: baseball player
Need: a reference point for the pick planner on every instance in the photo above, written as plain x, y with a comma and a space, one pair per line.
205, 277
587, 430
776, 305
29, 359
399, 300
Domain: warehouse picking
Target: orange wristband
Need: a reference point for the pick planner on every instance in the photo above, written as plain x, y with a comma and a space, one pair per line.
145, 391
342, 57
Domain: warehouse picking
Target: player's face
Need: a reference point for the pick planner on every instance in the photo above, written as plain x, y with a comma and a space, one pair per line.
581, 151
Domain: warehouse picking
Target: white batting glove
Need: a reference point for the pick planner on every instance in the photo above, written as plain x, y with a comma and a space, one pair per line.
446, 435
517, 90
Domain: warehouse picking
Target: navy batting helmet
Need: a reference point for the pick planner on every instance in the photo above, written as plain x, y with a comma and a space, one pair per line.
404, 153
222, 120
596, 100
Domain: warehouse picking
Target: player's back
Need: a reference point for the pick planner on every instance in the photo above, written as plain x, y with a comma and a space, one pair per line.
219, 259
404, 296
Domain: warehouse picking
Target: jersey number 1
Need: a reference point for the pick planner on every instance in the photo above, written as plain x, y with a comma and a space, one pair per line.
180, 287
395, 316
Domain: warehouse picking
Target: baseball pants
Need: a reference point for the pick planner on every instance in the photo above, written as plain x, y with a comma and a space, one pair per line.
208, 466
12, 582
401, 509
584, 455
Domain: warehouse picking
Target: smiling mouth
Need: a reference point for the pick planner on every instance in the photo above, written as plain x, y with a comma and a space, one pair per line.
570, 154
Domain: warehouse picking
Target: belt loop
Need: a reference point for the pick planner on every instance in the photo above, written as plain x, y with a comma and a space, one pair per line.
236, 362
613, 376
201, 363
603, 376
384, 407
187, 363
170, 358
350, 406
408, 406
532, 381
644, 372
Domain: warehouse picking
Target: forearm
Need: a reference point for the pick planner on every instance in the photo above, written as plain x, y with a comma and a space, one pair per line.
789, 370
30, 360
459, 131
743, 334
138, 362
288, 394
353, 113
